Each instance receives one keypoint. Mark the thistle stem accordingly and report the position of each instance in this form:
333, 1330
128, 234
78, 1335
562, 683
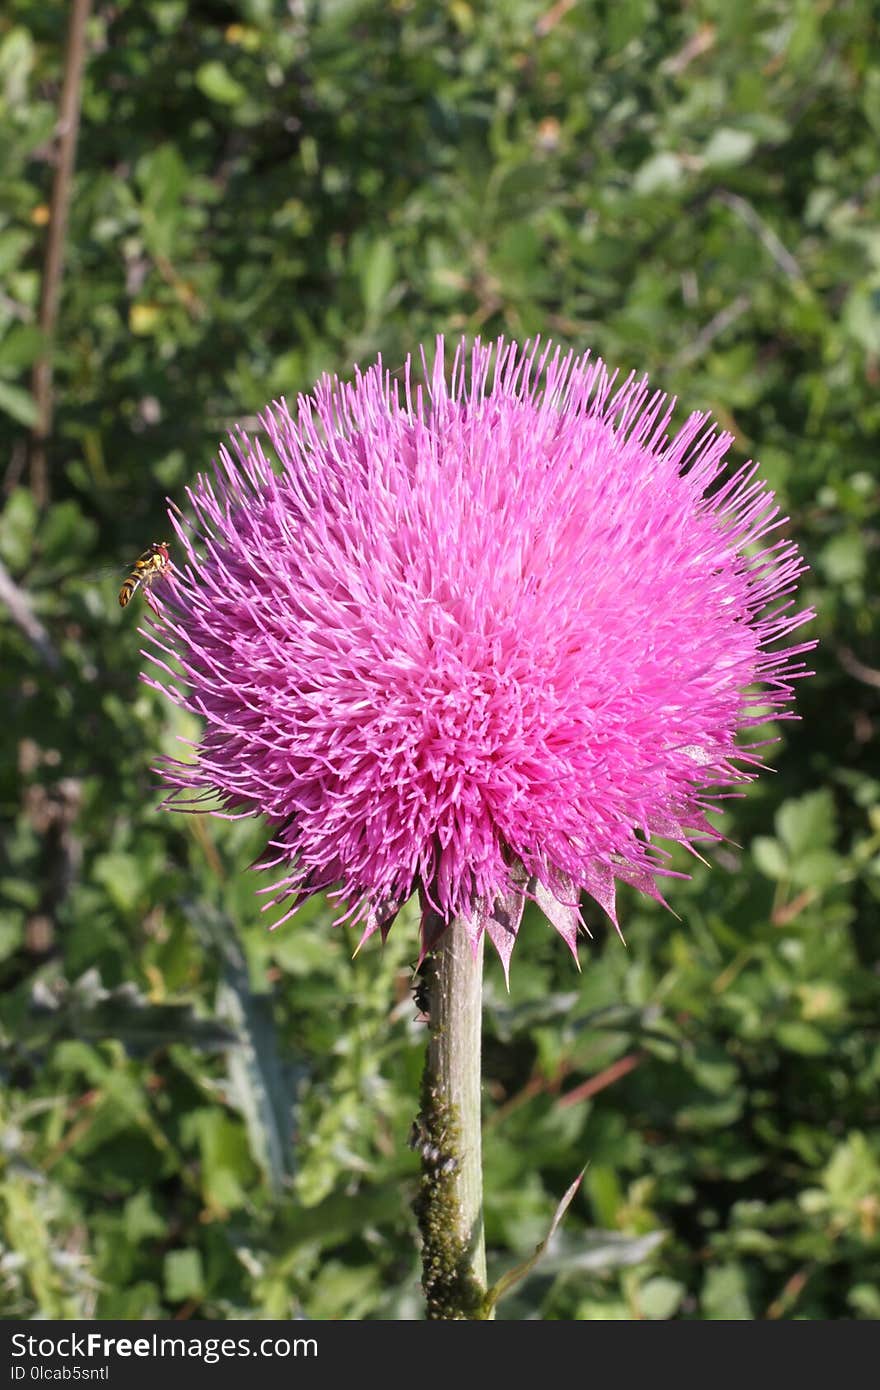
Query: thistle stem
447, 1133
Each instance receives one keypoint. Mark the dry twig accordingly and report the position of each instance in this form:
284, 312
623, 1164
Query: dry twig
67, 130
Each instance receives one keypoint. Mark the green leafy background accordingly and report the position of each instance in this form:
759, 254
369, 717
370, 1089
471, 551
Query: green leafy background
204, 1119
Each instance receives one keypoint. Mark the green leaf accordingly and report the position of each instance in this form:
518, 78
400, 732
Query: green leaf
20, 347
224, 1162
11, 935
216, 82
662, 173
376, 275
817, 869
16, 61
162, 177
518, 1273
509, 1019
728, 147
626, 20
852, 1175
807, 822
87, 1010
605, 1192
18, 524
660, 1297
14, 246
770, 857
18, 403
67, 533
141, 1220
865, 1298
122, 876
28, 1229
725, 1294
804, 1038
261, 1087
183, 1275
871, 98
861, 316
598, 1251
843, 558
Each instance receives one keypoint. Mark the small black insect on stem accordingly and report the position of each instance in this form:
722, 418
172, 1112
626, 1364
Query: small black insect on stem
420, 993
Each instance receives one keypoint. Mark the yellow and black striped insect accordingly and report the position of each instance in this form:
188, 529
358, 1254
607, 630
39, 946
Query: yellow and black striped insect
154, 562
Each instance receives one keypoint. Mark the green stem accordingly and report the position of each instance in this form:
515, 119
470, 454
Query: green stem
447, 1133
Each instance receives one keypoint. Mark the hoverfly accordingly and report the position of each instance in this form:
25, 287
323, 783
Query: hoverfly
153, 564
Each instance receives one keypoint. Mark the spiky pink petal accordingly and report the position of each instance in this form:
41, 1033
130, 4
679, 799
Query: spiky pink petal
502, 618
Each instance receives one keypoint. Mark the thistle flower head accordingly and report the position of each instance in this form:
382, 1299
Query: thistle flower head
483, 637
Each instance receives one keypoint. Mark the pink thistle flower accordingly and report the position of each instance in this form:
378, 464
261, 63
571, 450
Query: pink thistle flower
482, 639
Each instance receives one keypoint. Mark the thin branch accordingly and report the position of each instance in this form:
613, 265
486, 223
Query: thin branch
765, 234
549, 20
67, 131
857, 669
712, 330
24, 617
699, 43
622, 1067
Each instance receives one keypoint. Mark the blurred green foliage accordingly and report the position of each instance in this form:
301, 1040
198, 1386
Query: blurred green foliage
204, 1119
